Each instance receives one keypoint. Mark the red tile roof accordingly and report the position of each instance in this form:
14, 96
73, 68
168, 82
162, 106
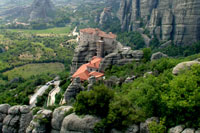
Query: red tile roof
95, 62
98, 32
84, 74
96, 74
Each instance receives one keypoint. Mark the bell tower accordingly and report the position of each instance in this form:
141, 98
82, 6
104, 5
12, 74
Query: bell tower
100, 48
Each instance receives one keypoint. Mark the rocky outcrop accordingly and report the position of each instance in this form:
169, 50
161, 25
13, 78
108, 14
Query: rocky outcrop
105, 17
42, 10
41, 122
3, 113
121, 58
189, 130
177, 129
176, 20
17, 120
91, 81
73, 123
74, 88
87, 48
130, 79
184, 65
157, 56
58, 116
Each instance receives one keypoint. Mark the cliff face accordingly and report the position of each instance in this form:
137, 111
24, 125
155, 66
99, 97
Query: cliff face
42, 9
177, 20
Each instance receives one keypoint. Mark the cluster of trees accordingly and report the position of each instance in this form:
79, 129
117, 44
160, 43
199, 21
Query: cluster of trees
131, 39
48, 48
176, 50
17, 91
174, 99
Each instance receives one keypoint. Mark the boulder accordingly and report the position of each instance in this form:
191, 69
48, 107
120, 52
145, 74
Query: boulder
115, 131
73, 123
197, 131
41, 122
123, 57
3, 113
92, 81
112, 81
130, 79
73, 89
58, 116
181, 66
147, 74
17, 120
133, 129
177, 129
157, 56
4, 108
164, 45
146, 40
189, 130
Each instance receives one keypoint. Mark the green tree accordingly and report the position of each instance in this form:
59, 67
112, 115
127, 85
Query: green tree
94, 102
147, 54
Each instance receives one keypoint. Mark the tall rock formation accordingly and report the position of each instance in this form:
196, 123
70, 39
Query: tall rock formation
42, 9
106, 16
177, 20
114, 53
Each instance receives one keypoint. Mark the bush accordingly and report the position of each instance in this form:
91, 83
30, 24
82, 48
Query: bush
147, 54
131, 39
182, 98
122, 113
155, 127
94, 102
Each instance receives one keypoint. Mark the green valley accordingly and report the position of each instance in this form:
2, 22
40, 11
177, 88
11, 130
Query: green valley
29, 70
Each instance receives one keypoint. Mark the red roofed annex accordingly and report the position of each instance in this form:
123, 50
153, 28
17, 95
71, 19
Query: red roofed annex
89, 69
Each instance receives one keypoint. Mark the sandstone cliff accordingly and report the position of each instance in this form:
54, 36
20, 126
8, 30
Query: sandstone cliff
39, 10
177, 20
42, 9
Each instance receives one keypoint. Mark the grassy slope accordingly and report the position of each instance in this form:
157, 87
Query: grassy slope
59, 30
27, 71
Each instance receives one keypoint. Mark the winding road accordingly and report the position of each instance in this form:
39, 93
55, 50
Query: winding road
40, 92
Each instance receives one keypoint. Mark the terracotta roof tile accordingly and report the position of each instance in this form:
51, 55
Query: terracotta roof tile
98, 32
84, 74
96, 74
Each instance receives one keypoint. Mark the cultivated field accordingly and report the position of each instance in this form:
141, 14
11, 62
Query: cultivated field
29, 70
58, 30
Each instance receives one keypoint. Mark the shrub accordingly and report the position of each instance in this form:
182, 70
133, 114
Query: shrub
147, 54
183, 98
155, 127
122, 113
94, 102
